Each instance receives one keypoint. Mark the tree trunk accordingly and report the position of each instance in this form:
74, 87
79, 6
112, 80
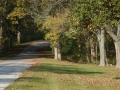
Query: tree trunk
106, 59
101, 40
102, 48
116, 38
117, 48
57, 52
79, 46
96, 47
87, 53
1, 30
18, 37
92, 50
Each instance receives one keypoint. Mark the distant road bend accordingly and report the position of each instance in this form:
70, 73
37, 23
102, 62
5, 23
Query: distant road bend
11, 69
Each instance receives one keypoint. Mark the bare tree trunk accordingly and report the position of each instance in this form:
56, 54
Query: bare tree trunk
18, 37
102, 49
101, 40
117, 47
57, 52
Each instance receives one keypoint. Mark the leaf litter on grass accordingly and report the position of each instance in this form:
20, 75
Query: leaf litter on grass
60, 75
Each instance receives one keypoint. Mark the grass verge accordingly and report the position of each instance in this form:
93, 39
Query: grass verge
49, 74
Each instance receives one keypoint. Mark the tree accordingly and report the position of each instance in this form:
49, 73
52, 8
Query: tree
109, 19
116, 38
6, 34
48, 11
56, 28
82, 17
104, 15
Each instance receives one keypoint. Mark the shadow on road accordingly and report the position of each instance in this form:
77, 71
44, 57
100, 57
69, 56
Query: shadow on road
31, 51
13, 67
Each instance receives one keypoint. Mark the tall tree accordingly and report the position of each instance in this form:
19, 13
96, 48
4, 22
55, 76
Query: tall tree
56, 26
5, 7
83, 14
103, 15
109, 20
40, 10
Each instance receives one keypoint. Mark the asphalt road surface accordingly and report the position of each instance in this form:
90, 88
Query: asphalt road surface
11, 69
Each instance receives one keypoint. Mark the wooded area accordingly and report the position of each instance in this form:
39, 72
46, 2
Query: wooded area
82, 31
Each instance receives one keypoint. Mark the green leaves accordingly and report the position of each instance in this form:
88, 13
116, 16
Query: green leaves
96, 12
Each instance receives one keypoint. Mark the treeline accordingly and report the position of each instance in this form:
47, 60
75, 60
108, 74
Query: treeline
15, 26
83, 31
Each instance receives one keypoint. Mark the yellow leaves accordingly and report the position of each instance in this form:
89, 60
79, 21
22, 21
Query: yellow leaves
56, 21
56, 26
52, 36
89, 26
20, 2
13, 19
77, 22
18, 12
110, 4
53, 23
14, 22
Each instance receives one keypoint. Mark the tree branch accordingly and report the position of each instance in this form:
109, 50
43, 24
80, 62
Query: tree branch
110, 32
35, 12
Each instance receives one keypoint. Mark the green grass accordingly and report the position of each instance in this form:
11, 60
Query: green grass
49, 74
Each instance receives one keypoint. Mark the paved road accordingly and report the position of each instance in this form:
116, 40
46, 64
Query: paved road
11, 69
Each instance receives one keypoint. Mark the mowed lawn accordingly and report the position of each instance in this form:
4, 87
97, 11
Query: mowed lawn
49, 74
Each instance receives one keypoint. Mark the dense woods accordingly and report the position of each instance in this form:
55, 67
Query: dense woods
82, 31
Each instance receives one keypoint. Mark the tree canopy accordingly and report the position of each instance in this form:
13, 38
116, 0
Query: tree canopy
72, 26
